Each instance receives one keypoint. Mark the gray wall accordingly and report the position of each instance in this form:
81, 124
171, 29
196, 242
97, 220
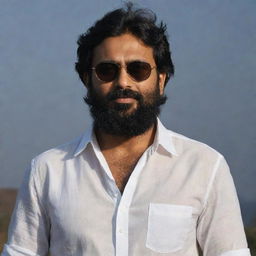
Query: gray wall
211, 98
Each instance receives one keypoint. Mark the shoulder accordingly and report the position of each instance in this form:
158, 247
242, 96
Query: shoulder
196, 154
56, 156
48, 167
184, 144
199, 160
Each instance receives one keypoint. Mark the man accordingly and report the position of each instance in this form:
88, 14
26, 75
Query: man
128, 186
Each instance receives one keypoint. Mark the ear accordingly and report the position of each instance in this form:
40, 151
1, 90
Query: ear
162, 77
85, 79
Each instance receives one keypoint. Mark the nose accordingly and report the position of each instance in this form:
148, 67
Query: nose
123, 79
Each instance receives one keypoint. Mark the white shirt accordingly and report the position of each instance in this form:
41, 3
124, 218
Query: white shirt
179, 197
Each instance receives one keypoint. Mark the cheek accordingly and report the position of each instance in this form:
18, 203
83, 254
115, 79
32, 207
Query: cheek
150, 86
95, 82
101, 89
152, 93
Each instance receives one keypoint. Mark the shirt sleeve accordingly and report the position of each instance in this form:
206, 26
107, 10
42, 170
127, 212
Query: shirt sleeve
220, 230
29, 227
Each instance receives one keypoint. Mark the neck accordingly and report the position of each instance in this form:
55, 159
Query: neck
140, 142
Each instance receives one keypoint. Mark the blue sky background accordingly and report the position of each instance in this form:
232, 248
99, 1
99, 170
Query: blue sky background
211, 97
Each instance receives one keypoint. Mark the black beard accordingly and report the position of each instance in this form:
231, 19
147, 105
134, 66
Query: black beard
111, 117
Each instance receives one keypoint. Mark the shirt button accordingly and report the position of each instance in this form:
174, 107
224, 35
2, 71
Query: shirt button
120, 231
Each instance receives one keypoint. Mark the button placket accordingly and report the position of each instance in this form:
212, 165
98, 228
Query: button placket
122, 230
122, 217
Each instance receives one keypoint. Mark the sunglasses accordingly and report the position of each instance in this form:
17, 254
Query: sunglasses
109, 71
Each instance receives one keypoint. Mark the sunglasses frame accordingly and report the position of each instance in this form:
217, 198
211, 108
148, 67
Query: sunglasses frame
119, 67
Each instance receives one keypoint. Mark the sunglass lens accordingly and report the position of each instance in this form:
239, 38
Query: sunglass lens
139, 70
106, 72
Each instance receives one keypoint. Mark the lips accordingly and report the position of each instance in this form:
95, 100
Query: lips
124, 100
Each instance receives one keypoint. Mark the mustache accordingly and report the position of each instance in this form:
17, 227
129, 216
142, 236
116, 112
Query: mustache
123, 93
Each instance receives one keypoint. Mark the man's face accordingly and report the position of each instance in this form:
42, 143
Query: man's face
125, 106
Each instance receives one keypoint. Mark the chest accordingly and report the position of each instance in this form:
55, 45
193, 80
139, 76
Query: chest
121, 166
173, 193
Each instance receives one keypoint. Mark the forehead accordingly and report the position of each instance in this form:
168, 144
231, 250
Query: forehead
122, 49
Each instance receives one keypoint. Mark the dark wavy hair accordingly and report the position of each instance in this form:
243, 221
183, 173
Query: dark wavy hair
139, 22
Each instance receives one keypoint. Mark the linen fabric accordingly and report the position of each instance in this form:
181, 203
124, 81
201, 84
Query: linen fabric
180, 197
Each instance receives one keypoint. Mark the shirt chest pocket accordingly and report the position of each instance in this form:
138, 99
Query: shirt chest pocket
168, 227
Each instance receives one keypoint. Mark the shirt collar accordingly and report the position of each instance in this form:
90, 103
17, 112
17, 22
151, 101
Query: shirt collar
163, 137
84, 141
